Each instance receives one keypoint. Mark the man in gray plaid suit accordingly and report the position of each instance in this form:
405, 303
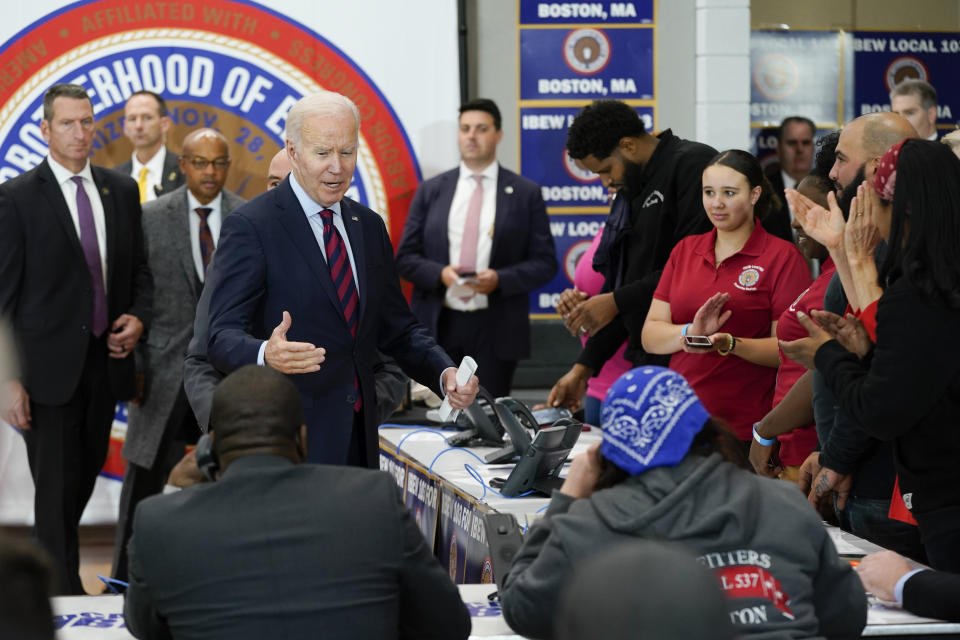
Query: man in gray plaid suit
181, 230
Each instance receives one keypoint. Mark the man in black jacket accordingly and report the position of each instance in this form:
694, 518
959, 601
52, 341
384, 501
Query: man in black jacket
279, 549
658, 202
75, 286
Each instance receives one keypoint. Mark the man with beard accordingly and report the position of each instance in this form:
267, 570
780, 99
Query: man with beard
658, 202
851, 464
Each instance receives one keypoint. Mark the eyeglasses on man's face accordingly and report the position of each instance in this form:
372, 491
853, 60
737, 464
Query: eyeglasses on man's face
200, 163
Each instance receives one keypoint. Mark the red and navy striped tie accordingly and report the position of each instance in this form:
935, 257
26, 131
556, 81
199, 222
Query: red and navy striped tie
342, 275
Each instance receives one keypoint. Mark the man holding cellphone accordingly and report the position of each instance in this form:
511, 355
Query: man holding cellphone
476, 242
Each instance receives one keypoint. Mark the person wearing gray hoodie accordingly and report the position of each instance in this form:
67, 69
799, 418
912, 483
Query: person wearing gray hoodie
664, 471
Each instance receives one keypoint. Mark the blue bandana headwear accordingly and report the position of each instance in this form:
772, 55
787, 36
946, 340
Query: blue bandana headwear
650, 417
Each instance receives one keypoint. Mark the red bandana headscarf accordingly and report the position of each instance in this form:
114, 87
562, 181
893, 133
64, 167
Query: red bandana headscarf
886, 175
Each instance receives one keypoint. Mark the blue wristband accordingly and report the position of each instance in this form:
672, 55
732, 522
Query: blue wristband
683, 332
764, 441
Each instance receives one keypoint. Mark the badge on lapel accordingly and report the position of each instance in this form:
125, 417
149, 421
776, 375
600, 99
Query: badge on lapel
105, 191
355, 218
508, 189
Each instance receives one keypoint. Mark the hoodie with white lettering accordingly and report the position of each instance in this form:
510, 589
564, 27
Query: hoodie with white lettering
765, 544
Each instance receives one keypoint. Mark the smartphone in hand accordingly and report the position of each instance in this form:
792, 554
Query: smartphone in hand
698, 342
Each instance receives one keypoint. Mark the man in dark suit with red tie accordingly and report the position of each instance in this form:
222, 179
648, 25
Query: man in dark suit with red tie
477, 241
75, 285
321, 265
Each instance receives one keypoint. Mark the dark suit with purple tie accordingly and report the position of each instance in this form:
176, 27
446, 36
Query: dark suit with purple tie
47, 294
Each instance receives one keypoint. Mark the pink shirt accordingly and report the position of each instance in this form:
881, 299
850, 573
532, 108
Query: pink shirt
590, 282
763, 278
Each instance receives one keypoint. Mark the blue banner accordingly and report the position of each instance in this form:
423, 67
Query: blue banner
453, 537
795, 73
586, 64
572, 235
422, 497
395, 467
544, 159
882, 59
539, 12
479, 568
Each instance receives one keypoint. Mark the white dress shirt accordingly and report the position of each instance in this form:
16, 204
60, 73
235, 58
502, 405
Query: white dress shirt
457, 221
64, 178
312, 210
898, 588
788, 183
154, 171
214, 219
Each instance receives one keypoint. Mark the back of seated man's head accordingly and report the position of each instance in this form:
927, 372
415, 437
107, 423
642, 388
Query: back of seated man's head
26, 581
257, 410
643, 590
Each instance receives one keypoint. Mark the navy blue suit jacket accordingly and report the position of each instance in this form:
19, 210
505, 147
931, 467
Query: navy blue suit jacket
269, 262
523, 254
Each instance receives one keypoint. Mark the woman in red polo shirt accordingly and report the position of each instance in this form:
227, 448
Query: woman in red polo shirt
730, 285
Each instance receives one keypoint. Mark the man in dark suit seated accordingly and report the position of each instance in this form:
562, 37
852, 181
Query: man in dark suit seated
26, 578
278, 549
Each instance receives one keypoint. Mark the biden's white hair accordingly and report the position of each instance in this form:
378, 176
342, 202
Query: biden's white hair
323, 103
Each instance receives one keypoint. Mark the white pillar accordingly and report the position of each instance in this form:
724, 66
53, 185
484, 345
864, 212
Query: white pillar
723, 73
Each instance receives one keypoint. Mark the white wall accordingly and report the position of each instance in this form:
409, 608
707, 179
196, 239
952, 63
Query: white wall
723, 73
